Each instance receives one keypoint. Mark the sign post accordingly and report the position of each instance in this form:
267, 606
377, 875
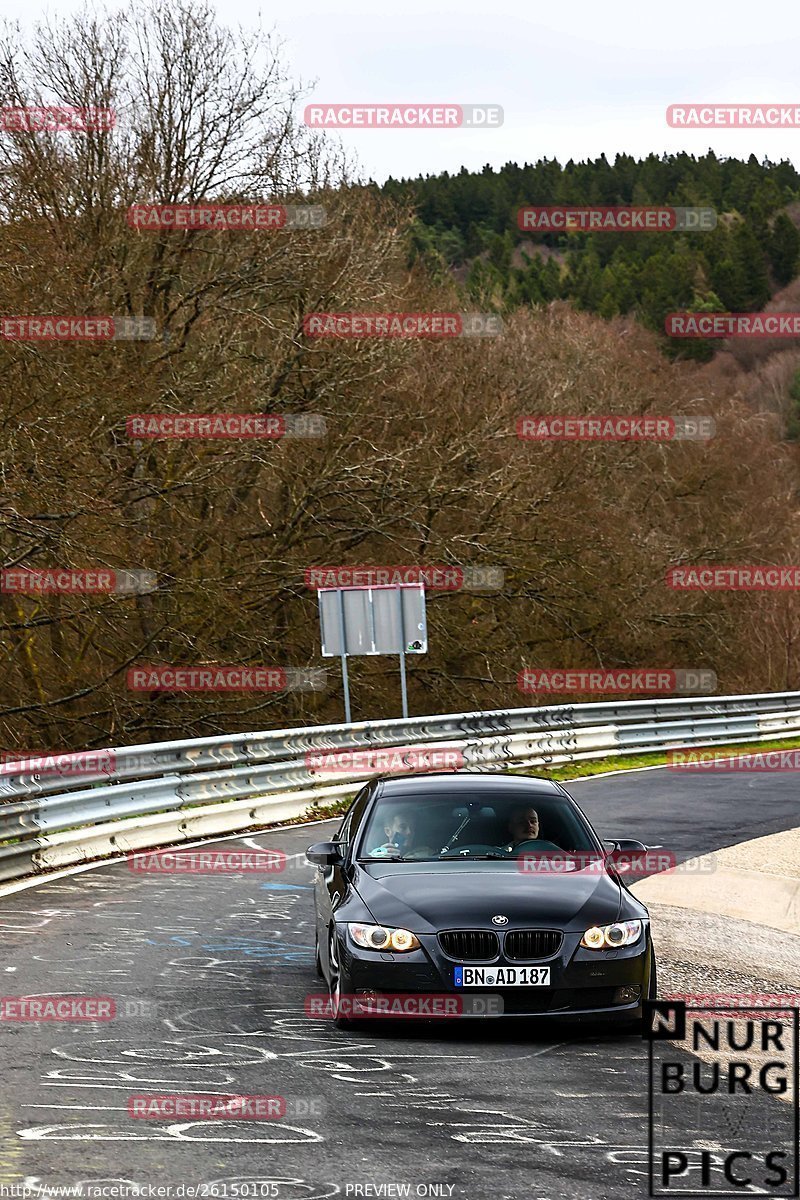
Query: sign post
402, 644
373, 620
345, 677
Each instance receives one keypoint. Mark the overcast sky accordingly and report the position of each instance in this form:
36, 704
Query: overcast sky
574, 78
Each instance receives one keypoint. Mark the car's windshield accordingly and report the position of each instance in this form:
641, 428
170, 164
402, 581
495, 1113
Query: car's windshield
479, 824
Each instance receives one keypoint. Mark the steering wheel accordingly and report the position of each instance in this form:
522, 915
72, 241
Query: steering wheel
415, 851
467, 849
535, 846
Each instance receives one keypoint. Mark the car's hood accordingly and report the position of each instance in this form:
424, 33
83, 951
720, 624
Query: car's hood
427, 897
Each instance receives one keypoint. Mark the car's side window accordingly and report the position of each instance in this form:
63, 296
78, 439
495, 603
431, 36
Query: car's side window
346, 828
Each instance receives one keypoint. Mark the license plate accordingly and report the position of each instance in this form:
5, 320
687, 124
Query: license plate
502, 976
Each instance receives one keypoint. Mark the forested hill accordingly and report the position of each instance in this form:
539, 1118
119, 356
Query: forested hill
468, 222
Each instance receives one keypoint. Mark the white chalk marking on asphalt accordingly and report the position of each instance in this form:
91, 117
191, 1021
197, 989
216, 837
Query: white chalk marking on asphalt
83, 1107
8, 889
171, 1133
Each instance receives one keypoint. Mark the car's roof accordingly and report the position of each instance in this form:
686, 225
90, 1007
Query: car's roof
467, 781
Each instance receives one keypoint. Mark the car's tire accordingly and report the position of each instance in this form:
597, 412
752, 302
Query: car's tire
317, 959
653, 991
335, 989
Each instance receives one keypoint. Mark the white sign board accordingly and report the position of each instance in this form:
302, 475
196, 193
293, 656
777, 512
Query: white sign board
373, 620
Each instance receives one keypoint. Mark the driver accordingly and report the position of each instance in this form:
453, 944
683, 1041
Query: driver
523, 825
400, 830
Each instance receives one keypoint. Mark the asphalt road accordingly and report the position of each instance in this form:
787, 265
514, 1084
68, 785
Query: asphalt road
209, 974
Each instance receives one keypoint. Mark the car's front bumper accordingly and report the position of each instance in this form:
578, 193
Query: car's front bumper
582, 982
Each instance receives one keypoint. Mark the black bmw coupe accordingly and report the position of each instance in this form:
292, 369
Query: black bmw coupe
477, 894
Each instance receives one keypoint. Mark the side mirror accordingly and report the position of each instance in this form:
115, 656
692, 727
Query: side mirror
627, 844
325, 854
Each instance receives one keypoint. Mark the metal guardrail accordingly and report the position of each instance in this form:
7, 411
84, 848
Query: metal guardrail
167, 792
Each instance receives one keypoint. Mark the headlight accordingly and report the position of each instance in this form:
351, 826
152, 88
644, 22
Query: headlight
610, 937
378, 937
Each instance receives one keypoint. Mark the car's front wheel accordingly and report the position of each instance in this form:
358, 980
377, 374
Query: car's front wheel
652, 993
335, 986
